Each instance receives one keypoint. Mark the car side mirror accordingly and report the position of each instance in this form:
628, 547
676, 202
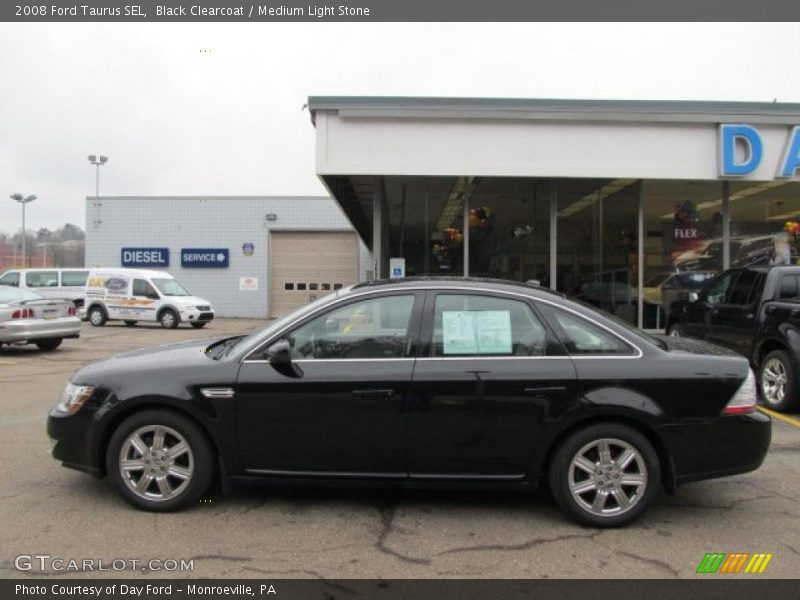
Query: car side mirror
694, 296
280, 353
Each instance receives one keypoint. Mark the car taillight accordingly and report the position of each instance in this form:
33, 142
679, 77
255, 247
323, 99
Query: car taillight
71, 310
25, 313
744, 400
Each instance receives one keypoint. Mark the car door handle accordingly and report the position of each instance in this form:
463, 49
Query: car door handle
372, 396
542, 395
769, 310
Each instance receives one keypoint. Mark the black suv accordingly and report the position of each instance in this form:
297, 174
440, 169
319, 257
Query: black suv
756, 312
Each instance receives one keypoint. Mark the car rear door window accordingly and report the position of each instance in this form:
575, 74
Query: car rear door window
473, 325
73, 278
718, 288
788, 288
581, 337
369, 329
40, 279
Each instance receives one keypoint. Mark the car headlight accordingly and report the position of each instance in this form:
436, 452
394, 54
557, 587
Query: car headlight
73, 398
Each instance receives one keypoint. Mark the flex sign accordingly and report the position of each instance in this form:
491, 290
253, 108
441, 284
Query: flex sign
205, 258
741, 150
145, 257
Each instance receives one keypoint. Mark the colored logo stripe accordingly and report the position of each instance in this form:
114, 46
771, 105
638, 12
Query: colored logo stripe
720, 562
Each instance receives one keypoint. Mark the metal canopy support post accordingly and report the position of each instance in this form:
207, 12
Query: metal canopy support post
726, 225
553, 233
640, 256
377, 229
465, 229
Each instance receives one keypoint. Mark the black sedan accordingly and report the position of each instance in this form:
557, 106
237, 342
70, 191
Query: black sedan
420, 383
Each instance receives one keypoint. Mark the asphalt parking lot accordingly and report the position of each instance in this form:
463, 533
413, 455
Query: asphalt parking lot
261, 532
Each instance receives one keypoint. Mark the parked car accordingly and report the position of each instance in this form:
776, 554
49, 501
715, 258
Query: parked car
756, 312
418, 383
28, 318
65, 284
133, 295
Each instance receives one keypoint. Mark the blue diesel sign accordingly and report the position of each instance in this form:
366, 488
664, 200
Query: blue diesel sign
205, 258
145, 257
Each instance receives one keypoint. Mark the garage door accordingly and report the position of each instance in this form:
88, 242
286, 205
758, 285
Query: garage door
307, 265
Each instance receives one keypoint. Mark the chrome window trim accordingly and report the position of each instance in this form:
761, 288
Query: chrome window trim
434, 288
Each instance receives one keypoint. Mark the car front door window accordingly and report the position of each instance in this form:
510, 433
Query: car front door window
374, 328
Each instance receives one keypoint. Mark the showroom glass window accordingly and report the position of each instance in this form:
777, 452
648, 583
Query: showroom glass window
473, 325
374, 328
682, 243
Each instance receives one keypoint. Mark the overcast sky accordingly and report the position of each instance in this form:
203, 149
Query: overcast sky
177, 121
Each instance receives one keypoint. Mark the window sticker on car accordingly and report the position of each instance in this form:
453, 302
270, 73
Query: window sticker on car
476, 331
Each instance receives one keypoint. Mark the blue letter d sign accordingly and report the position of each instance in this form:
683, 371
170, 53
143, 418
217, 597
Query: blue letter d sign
732, 137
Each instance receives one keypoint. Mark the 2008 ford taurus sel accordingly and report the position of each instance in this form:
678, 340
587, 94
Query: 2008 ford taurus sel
421, 382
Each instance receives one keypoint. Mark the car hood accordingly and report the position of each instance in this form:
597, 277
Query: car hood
694, 346
183, 356
187, 300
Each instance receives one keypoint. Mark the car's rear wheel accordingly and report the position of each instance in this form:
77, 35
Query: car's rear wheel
50, 344
131, 323
97, 316
776, 380
160, 461
605, 475
199, 324
169, 319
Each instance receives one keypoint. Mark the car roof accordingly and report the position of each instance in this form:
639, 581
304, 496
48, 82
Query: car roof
455, 282
133, 272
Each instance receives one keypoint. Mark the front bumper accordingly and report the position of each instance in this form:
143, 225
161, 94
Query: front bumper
72, 440
195, 316
726, 445
30, 330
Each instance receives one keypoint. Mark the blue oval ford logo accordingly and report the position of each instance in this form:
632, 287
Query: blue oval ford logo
115, 284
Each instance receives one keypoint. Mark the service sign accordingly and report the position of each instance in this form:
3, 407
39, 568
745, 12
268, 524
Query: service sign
145, 257
205, 258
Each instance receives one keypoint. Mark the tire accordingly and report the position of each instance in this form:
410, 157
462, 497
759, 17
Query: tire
607, 480
776, 381
169, 319
97, 316
199, 325
674, 331
167, 484
131, 323
50, 344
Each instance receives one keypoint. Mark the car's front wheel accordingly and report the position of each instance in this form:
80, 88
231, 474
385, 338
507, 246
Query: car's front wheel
776, 379
674, 331
169, 319
605, 475
160, 461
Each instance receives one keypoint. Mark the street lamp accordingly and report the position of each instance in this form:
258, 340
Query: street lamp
23, 200
98, 163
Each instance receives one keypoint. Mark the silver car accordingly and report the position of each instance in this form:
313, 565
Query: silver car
27, 318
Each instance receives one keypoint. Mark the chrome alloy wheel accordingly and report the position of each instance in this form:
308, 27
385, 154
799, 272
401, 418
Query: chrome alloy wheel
96, 317
156, 463
773, 381
607, 477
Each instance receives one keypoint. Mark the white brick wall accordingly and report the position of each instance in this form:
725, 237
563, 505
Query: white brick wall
209, 222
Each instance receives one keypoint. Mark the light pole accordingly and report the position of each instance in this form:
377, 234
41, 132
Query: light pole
98, 162
23, 200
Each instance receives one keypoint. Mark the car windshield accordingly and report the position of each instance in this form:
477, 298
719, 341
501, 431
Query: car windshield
11, 294
170, 287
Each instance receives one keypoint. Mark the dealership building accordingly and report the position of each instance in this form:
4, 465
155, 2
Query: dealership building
252, 256
628, 205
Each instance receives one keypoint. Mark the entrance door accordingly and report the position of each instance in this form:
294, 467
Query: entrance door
308, 265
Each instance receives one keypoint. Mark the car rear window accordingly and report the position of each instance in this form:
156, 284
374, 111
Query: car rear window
788, 288
74, 278
37, 279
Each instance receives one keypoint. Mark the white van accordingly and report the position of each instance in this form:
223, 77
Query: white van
134, 295
63, 284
